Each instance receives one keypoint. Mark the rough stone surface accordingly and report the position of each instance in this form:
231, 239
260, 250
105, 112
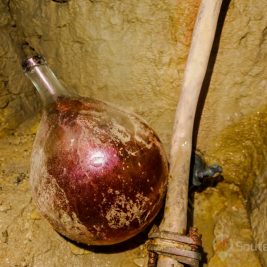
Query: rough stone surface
258, 215
132, 53
220, 213
241, 149
238, 83
17, 98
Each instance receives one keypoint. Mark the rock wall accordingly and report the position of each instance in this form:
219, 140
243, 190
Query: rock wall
132, 53
18, 100
124, 52
238, 82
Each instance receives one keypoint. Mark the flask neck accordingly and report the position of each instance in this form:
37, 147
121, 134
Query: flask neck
45, 81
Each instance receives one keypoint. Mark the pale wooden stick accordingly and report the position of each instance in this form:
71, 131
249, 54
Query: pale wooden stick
175, 213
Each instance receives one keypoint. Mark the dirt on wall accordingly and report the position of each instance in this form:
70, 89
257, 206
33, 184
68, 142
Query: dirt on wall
132, 53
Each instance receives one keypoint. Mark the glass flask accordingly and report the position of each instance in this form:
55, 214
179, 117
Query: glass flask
98, 173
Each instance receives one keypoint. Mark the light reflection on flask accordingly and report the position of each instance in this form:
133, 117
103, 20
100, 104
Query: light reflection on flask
97, 159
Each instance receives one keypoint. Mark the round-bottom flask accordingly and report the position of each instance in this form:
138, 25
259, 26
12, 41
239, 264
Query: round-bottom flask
98, 173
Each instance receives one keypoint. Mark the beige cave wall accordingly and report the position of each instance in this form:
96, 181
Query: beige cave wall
17, 98
133, 53
130, 53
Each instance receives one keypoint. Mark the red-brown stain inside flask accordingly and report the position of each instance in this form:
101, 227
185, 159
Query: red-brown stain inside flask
113, 177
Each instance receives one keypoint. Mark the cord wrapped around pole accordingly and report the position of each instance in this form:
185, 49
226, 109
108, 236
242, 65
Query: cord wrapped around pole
175, 213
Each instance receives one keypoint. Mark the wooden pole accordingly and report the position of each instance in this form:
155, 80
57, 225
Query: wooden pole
175, 213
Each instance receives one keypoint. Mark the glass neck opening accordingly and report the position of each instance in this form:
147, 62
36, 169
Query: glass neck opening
46, 83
